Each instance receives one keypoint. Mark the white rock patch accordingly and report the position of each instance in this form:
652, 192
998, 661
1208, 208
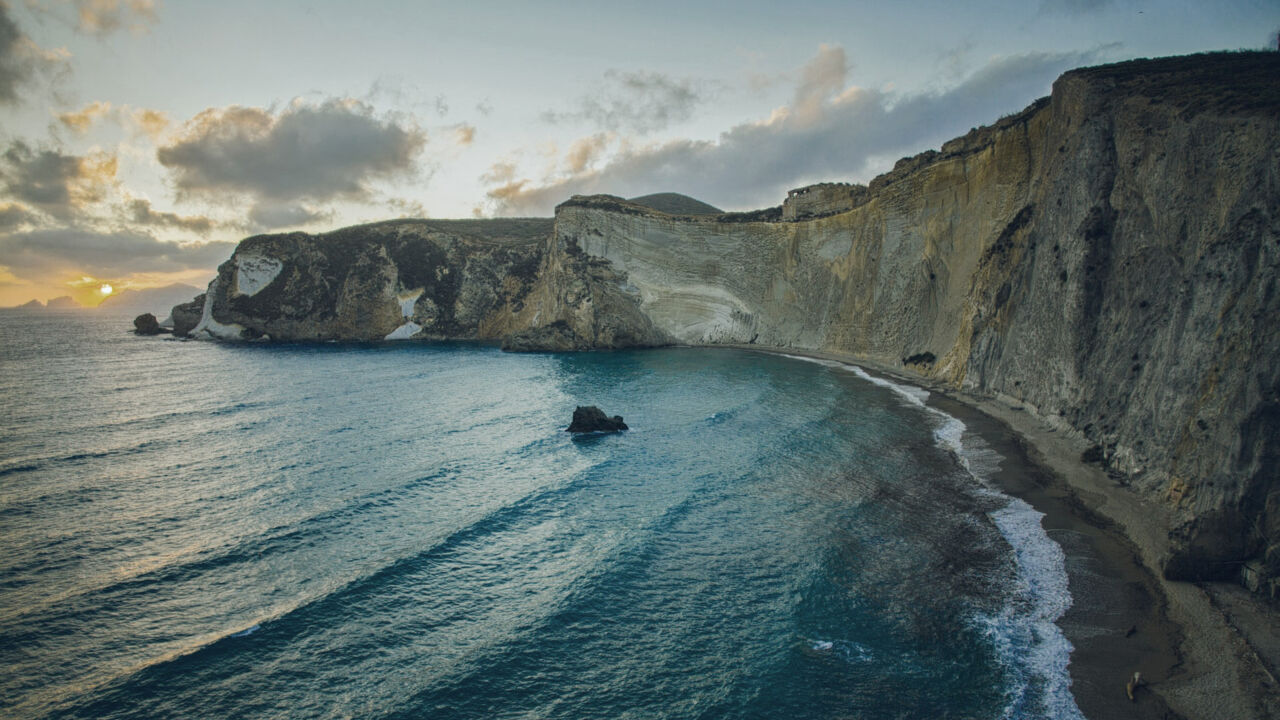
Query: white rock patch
404, 332
255, 272
407, 300
696, 313
210, 329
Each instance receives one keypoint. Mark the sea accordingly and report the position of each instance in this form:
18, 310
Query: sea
405, 530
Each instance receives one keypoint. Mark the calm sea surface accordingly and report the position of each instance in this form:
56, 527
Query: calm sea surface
197, 530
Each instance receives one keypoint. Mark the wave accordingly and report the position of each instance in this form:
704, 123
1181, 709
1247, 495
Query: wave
42, 462
128, 430
1024, 633
246, 632
20, 467
285, 624
848, 650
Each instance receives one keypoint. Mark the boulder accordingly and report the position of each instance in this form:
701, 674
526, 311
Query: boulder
146, 324
592, 419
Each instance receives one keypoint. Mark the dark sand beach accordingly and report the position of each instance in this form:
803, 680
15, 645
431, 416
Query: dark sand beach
1125, 618
1117, 621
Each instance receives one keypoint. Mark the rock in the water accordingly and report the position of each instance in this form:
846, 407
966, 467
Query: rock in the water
592, 419
187, 315
146, 324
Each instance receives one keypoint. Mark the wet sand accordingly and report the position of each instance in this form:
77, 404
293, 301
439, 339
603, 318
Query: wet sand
1116, 622
1215, 673
1124, 617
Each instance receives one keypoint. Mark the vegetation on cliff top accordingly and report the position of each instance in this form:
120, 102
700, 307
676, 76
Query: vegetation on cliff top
1236, 83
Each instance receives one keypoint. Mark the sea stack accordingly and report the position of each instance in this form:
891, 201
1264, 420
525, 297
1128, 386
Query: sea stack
146, 324
591, 419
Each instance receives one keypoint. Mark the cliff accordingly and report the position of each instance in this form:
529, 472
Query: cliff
1107, 258
402, 279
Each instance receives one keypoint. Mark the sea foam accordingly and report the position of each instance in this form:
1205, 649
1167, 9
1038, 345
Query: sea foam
1031, 646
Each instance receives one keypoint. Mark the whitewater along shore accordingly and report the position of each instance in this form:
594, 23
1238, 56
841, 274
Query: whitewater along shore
1198, 660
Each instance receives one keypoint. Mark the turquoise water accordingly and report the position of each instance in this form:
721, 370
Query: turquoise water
405, 531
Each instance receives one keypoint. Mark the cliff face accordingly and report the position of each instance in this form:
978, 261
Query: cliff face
1108, 257
393, 280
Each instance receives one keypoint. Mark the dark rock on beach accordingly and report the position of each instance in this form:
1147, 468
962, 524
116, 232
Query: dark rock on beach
592, 419
146, 324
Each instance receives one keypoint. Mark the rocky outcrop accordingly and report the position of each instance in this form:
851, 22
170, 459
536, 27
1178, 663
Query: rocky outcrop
146, 324
186, 316
591, 419
397, 280
1107, 258
582, 302
556, 337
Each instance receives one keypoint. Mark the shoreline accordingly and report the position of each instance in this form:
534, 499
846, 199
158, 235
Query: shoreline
1124, 616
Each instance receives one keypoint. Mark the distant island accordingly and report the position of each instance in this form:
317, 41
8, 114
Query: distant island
127, 301
65, 302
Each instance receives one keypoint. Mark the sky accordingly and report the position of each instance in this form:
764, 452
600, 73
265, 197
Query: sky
141, 139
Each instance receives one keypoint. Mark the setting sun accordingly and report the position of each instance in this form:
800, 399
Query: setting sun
105, 289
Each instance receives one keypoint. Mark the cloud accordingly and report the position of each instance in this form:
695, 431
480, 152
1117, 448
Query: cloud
13, 215
464, 134
140, 121
151, 123
307, 151
57, 184
642, 102
584, 151
144, 121
8, 279
21, 60
81, 120
270, 215
139, 210
831, 132
50, 253
13, 68
820, 79
99, 17
499, 172
406, 208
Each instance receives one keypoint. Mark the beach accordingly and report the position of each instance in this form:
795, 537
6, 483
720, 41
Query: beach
1192, 653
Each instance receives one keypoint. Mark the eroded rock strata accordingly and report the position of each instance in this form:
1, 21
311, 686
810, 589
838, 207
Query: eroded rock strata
1107, 258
